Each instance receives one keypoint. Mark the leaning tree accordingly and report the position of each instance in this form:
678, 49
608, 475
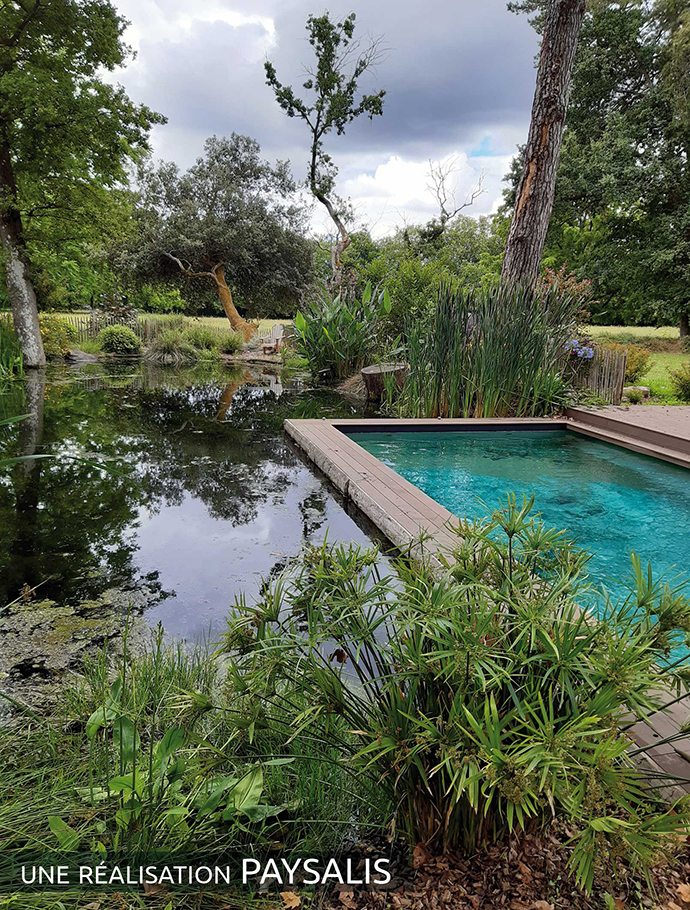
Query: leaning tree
334, 102
230, 220
562, 21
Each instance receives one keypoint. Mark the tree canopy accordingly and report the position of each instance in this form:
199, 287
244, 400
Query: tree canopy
66, 135
232, 219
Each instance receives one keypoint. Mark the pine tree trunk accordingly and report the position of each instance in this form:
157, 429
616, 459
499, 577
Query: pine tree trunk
684, 325
225, 297
20, 289
534, 202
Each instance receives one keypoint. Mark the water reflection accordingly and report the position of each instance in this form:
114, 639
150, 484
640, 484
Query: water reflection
211, 497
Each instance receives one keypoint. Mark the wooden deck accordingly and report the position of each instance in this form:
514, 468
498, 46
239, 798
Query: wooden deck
418, 525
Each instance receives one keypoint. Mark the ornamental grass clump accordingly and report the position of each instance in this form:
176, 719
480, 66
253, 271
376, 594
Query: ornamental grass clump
489, 352
484, 700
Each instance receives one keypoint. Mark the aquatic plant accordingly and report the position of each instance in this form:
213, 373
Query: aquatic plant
230, 342
337, 335
485, 700
172, 346
488, 352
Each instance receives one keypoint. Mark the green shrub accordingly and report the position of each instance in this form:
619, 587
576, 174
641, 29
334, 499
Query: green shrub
680, 380
635, 396
56, 334
488, 352
483, 702
202, 337
337, 336
119, 339
639, 360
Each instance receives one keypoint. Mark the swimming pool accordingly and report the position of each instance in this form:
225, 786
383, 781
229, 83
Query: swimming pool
612, 500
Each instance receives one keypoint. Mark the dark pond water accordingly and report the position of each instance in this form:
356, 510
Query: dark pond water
209, 496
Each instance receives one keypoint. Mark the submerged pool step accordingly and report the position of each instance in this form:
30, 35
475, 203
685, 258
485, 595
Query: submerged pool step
621, 437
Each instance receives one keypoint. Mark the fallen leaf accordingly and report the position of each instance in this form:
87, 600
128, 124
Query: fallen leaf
684, 893
290, 899
94, 905
620, 905
347, 899
153, 888
542, 905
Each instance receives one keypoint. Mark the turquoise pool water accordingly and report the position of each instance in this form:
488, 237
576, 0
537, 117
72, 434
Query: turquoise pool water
612, 500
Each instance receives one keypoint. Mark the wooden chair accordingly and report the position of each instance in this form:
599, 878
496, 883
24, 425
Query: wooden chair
271, 344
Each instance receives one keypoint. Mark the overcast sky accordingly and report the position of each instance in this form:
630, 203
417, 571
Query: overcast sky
459, 76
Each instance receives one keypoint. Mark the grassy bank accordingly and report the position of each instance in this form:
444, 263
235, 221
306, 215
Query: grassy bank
216, 322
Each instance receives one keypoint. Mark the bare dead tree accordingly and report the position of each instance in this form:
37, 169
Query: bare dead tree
443, 185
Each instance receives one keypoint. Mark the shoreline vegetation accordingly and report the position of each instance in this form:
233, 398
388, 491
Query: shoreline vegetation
355, 711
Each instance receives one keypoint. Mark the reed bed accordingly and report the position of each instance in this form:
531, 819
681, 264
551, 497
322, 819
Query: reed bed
496, 352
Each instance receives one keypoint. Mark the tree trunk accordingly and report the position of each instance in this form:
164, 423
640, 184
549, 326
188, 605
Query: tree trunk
684, 325
225, 297
20, 289
534, 202
229, 393
342, 241
24, 562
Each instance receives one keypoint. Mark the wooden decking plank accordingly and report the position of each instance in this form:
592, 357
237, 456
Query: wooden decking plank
366, 467
365, 461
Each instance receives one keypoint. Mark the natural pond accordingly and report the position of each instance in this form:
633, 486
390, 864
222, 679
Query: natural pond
204, 496
612, 500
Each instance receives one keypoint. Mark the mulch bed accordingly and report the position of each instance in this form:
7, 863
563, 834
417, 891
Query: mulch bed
527, 874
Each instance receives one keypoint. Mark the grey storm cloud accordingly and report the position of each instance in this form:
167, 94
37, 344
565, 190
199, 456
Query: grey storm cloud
454, 71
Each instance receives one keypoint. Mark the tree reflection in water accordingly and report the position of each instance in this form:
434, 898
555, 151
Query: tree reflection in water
208, 498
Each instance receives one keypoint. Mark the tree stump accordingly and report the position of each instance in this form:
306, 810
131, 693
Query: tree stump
375, 378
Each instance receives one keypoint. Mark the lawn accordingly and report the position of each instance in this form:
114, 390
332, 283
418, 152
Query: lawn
639, 331
218, 322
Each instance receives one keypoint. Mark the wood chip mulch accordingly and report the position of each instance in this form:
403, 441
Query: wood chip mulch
530, 874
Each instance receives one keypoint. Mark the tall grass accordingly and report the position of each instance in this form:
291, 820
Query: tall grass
493, 352
11, 361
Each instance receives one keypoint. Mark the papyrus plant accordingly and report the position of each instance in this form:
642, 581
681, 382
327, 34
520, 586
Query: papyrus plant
485, 701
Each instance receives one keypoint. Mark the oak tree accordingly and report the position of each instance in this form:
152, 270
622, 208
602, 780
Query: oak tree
64, 132
231, 220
